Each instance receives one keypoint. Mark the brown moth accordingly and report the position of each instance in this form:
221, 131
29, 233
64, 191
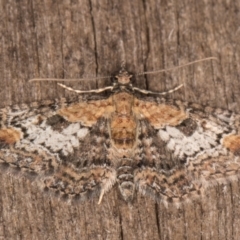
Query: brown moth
166, 149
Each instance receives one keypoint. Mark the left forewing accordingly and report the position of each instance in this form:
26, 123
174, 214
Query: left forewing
87, 113
40, 141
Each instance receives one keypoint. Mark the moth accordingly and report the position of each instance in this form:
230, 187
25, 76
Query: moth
133, 139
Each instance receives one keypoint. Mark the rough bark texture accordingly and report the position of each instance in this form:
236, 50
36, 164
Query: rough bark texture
82, 38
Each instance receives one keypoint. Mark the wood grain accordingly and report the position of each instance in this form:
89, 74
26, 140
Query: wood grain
72, 39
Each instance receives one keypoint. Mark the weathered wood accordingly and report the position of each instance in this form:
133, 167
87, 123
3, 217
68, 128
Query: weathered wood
72, 39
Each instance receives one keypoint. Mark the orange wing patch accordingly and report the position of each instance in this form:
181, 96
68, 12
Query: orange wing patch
158, 115
9, 135
87, 113
232, 142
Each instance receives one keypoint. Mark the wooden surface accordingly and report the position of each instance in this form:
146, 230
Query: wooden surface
72, 39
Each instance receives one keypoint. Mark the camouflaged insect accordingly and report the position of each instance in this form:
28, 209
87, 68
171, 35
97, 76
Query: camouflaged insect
168, 150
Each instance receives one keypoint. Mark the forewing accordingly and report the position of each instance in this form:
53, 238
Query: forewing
87, 113
158, 114
68, 157
178, 162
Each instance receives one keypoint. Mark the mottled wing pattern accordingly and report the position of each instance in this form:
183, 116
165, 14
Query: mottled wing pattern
158, 114
87, 113
180, 148
182, 156
68, 157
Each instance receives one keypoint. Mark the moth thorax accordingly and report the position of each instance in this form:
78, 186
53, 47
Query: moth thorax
123, 77
125, 182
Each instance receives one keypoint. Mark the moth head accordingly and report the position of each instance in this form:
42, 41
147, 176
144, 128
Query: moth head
123, 77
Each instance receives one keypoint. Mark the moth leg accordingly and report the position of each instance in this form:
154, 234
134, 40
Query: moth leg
101, 197
158, 93
88, 91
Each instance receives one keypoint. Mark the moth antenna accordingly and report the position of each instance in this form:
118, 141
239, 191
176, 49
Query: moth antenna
87, 91
173, 68
158, 93
66, 80
123, 65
